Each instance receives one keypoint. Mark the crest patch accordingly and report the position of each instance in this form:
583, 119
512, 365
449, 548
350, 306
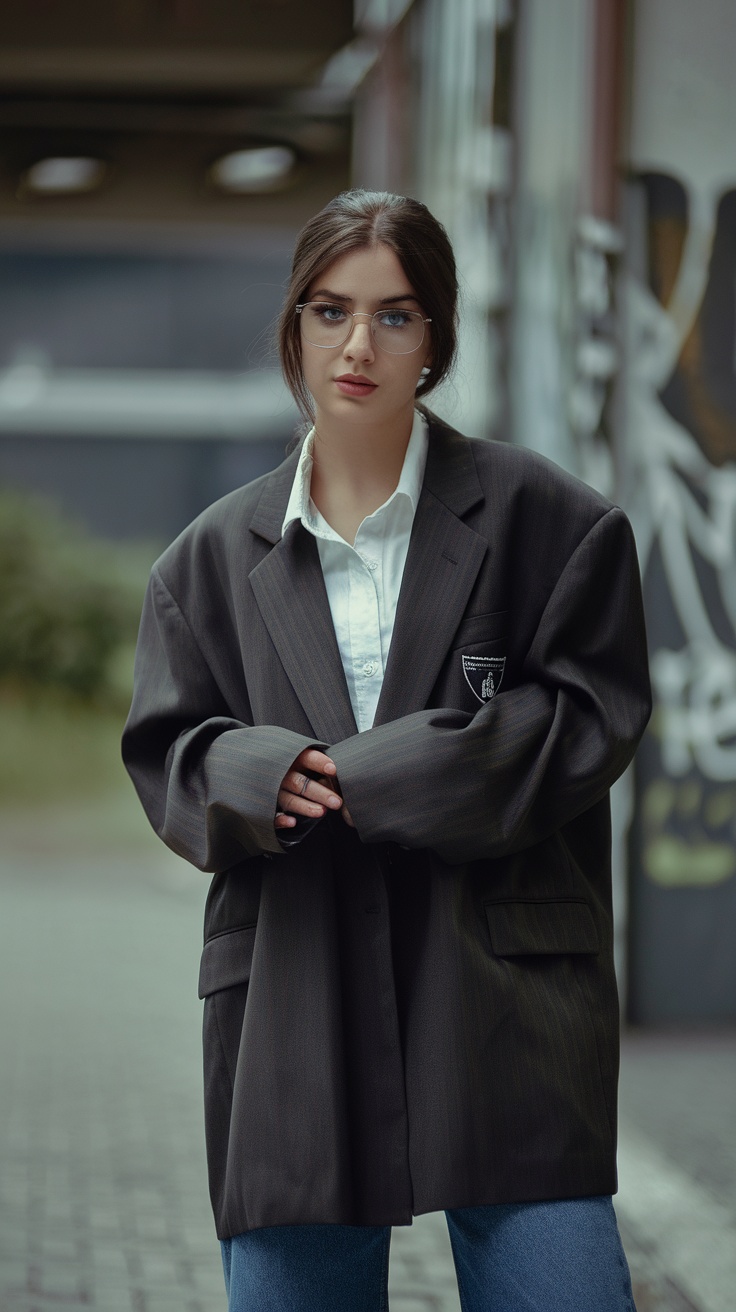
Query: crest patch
484, 675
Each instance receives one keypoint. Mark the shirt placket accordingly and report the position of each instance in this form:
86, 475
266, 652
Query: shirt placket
365, 627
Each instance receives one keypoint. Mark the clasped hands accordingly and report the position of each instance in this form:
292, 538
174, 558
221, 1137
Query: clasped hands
313, 798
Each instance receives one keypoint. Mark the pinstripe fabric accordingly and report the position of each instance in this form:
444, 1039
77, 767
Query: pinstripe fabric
420, 1013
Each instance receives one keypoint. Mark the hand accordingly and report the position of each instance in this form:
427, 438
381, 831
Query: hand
301, 795
332, 783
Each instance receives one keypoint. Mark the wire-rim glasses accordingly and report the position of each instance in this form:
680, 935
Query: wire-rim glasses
397, 331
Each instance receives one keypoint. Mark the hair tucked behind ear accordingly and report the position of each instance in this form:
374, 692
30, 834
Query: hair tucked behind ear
358, 219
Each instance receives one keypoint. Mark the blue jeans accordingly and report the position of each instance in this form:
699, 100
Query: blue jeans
561, 1256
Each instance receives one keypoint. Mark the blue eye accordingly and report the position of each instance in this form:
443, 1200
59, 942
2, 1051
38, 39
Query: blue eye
329, 313
395, 318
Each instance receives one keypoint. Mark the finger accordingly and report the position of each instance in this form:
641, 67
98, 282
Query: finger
325, 793
347, 816
300, 785
295, 805
313, 759
284, 821
296, 782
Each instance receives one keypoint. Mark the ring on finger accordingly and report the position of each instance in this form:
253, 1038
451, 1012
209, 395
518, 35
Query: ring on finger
304, 786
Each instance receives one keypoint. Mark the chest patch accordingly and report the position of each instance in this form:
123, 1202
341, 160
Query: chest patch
483, 675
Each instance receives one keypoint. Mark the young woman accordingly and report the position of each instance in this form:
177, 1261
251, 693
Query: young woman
382, 693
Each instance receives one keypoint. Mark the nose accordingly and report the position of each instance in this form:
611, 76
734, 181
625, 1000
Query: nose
359, 345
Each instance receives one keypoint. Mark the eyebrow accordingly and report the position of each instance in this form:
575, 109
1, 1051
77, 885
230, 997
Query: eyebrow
338, 296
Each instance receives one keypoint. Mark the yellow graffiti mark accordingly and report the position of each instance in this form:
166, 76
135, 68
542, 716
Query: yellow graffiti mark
721, 808
674, 864
657, 803
689, 799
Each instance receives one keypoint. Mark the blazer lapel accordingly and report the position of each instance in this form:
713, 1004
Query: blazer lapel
442, 564
290, 592
441, 567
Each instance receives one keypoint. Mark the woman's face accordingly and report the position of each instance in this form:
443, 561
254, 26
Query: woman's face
364, 281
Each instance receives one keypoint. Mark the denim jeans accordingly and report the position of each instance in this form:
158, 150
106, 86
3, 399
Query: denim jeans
561, 1256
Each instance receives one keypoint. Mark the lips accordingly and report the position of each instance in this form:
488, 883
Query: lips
355, 385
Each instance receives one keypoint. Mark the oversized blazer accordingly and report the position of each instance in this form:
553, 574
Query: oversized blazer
418, 1013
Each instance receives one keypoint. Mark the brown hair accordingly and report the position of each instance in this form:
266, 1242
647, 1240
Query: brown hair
352, 221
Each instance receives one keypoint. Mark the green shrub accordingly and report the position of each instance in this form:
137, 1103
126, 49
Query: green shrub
68, 602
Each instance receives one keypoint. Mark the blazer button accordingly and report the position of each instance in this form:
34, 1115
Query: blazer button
372, 908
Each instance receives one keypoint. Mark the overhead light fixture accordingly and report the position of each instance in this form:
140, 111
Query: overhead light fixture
64, 175
259, 168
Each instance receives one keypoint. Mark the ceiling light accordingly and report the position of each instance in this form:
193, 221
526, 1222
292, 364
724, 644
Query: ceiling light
60, 174
261, 168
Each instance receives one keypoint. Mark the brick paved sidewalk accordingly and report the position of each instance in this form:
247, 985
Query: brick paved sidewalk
103, 1199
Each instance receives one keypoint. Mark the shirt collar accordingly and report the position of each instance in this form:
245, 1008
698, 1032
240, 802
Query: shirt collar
301, 506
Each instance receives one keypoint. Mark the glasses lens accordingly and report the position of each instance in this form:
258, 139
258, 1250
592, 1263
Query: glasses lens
325, 325
398, 331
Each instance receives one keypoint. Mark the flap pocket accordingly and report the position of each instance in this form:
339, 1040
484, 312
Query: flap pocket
481, 628
521, 927
226, 960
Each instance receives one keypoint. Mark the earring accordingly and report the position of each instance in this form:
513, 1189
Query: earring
425, 371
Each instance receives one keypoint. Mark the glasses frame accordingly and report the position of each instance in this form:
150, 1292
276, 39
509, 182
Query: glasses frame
362, 314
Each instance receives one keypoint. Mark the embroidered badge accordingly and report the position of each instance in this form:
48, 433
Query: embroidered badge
484, 675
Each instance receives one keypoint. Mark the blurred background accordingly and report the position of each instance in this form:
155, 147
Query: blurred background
157, 158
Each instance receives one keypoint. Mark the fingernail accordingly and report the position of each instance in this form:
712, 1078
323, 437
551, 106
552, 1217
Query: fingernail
334, 802
330, 767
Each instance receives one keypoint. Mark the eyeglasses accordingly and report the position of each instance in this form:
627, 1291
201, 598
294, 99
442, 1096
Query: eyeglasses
397, 331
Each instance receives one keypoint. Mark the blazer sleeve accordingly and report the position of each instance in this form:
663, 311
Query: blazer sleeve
534, 757
207, 782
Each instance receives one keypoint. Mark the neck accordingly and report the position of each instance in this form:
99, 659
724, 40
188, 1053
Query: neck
360, 457
356, 468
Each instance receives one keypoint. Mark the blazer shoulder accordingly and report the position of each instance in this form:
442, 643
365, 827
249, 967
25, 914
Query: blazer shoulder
522, 469
515, 494
508, 470
536, 499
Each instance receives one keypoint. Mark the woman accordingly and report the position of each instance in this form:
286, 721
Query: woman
382, 694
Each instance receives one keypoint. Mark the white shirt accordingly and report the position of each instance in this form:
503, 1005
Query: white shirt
363, 580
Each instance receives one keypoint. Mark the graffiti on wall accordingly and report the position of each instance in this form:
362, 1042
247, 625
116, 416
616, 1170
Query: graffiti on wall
680, 471
596, 251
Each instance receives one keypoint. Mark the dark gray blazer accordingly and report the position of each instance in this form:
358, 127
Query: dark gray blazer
419, 1013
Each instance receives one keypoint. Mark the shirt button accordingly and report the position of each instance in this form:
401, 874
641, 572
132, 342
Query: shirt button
370, 668
372, 564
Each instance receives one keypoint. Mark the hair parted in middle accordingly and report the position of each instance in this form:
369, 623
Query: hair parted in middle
353, 221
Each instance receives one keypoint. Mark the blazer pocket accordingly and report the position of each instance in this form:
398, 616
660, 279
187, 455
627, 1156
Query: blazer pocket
226, 960
520, 928
481, 628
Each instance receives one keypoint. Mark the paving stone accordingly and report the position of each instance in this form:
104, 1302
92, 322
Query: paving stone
421, 1270
110, 1266
401, 1302
15, 1274
13, 1238
106, 1298
53, 1249
153, 1228
160, 1271
210, 1286
161, 1302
